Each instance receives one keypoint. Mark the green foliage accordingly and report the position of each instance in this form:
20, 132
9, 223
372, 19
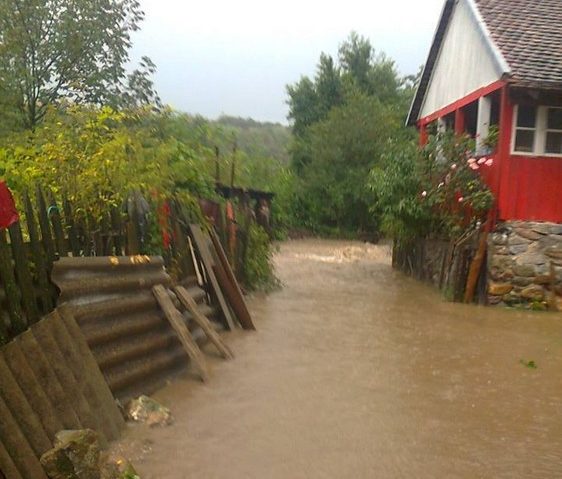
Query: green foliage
88, 154
435, 191
67, 49
453, 186
396, 185
344, 147
258, 267
342, 122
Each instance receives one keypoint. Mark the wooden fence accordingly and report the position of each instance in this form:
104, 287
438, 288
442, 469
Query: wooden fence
50, 228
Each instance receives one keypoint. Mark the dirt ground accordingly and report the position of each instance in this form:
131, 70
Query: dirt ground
359, 372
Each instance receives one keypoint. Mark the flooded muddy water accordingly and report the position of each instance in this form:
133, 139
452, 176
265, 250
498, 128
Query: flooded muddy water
357, 371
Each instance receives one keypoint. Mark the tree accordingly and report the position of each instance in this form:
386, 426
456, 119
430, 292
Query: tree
73, 49
343, 149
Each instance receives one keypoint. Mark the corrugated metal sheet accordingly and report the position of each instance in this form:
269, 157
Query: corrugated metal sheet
49, 381
134, 345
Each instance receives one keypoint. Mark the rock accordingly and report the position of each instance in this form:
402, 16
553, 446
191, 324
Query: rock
522, 281
501, 250
528, 233
518, 249
501, 262
542, 228
494, 300
146, 409
533, 293
499, 289
76, 455
558, 303
499, 239
554, 252
526, 270
515, 240
512, 299
531, 257
543, 279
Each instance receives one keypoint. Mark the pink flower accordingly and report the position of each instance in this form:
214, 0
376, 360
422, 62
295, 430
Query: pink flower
474, 166
481, 161
461, 199
454, 166
424, 194
471, 161
489, 162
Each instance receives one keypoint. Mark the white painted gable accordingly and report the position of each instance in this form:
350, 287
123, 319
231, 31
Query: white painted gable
465, 62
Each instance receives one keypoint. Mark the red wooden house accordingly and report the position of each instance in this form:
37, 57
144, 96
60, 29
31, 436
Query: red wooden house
498, 64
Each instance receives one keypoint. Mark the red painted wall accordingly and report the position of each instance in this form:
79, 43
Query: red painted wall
534, 189
526, 188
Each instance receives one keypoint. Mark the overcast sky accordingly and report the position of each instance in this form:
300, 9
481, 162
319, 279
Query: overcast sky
235, 57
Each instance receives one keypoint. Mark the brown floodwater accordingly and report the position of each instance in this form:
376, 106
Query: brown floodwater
357, 371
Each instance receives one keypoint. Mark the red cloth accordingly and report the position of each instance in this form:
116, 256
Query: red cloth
8, 212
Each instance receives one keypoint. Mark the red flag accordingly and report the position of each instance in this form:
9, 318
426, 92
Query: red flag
8, 212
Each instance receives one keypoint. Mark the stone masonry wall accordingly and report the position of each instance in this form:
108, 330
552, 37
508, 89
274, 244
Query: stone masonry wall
525, 265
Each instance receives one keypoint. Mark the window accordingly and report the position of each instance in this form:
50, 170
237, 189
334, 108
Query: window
538, 130
554, 131
525, 129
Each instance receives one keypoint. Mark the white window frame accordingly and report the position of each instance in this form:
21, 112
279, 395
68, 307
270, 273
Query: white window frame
539, 146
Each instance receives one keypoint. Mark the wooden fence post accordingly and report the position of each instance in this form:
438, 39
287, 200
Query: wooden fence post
46, 291
13, 294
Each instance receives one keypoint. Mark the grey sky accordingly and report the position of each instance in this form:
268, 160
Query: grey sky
235, 57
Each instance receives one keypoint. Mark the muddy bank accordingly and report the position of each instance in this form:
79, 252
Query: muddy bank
358, 371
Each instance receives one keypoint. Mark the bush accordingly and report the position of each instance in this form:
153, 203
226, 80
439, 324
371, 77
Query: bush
258, 268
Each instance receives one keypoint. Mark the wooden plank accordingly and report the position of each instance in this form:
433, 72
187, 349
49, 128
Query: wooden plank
178, 325
44, 226
206, 258
56, 221
71, 227
13, 295
241, 308
46, 291
189, 303
117, 231
23, 274
95, 376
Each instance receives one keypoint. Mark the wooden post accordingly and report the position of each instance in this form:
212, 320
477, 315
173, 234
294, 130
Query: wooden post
56, 221
13, 294
71, 228
23, 274
46, 291
476, 265
46, 236
217, 165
